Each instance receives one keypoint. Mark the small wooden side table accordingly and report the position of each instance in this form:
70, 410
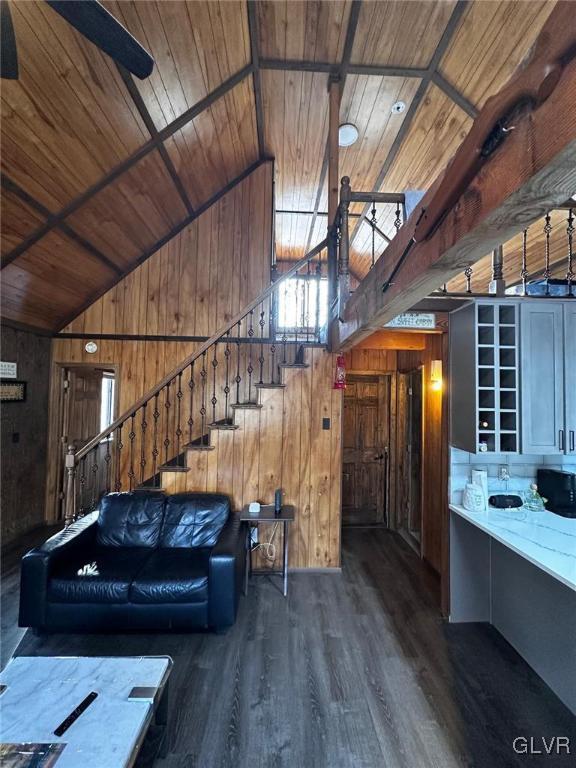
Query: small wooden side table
268, 515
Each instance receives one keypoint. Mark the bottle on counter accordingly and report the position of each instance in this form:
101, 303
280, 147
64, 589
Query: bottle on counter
533, 500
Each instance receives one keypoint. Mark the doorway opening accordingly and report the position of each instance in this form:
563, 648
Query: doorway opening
366, 450
87, 405
409, 427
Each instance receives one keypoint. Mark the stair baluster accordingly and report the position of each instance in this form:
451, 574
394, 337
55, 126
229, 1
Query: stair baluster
191, 387
143, 428
167, 407
227, 384
250, 368
214, 399
261, 323
131, 438
238, 378
179, 396
155, 451
203, 375
119, 446
82, 481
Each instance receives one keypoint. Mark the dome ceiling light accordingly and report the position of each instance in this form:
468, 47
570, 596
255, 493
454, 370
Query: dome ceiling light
398, 107
347, 135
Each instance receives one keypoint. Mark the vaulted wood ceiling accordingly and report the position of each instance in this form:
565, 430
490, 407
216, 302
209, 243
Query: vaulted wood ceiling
99, 169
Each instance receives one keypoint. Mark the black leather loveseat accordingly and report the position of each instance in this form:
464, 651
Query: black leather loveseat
143, 561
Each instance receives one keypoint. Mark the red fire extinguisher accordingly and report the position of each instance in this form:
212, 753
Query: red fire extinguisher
340, 375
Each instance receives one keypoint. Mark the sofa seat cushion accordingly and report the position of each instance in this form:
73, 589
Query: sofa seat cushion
100, 575
173, 576
194, 519
130, 519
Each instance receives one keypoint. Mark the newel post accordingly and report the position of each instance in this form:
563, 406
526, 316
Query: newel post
70, 486
344, 260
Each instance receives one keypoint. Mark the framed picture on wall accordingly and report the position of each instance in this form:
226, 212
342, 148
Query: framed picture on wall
12, 391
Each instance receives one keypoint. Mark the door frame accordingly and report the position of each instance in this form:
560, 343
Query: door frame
55, 458
417, 371
389, 479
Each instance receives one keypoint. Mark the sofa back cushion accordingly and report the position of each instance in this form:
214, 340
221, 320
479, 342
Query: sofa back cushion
194, 519
131, 519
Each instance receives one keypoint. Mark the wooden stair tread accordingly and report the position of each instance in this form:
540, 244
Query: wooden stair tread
222, 425
205, 447
246, 405
150, 488
173, 468
294, 365
270, 386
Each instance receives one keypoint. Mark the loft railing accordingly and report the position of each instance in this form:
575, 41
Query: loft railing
340, 241
540, 277
226, 370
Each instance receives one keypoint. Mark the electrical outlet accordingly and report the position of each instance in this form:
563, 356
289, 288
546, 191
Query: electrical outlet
503, 472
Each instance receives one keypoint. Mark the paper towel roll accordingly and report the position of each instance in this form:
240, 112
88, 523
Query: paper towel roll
480, 477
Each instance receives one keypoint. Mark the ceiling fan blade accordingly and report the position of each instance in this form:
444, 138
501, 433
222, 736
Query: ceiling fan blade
93, 21
8, 54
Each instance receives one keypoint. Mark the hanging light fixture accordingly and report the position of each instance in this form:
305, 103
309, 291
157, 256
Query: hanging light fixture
340, 374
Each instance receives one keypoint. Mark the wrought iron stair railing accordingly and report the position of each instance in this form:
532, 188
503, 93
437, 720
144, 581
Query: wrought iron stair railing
225, 371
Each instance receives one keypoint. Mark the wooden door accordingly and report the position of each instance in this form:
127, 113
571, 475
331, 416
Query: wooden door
82, 405
366, 450
409, 468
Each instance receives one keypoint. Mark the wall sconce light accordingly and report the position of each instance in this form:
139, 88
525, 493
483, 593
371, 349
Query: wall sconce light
436, 375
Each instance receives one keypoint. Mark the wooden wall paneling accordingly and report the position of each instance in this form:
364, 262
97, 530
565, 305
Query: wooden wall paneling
128, 216
296, 30
305, 556
217, 145
392, 339
64, 80
291, 455
271, 438
337, 407
489, 44
238, 473
18, 220
187, 281
251, 437
320, 453
399, 33
196, 46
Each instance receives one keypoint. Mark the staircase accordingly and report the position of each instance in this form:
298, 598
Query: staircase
192, 469
170, 438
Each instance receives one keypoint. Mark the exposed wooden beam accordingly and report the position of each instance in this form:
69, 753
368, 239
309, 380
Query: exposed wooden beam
127, 164
173, 232
11, 186
531, 172
338, 73
149, 123
457, 97
432, 68
255, 50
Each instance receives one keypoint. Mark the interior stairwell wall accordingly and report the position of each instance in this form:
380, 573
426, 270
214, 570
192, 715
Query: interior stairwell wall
192, 286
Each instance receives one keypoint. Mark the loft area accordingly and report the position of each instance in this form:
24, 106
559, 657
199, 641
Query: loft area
288, 383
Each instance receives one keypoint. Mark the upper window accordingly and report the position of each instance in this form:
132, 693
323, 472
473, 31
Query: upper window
303, 303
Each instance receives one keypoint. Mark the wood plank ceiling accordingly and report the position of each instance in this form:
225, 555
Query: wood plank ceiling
99, 170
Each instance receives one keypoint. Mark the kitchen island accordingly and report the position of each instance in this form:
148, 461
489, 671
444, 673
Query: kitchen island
516, 569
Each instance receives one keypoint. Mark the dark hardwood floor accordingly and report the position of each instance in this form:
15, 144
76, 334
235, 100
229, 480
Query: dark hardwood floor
351, 671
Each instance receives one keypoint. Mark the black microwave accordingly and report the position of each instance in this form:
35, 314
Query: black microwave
559, 490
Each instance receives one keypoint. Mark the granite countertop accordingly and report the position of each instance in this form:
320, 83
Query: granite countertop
545, 539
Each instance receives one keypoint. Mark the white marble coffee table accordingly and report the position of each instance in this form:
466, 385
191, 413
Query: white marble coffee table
42, 691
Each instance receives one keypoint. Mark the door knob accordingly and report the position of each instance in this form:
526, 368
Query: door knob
379, 458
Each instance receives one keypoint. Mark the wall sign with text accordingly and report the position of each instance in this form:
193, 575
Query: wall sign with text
7, 370
420, 320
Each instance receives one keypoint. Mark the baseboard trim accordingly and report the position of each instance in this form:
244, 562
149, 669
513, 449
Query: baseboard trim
315, 570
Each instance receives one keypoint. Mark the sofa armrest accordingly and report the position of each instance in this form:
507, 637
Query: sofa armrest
226, 574
39, 562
